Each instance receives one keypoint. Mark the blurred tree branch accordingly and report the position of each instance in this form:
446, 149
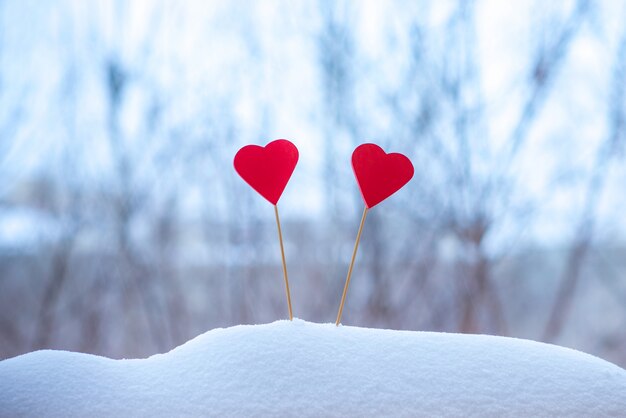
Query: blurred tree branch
605, 155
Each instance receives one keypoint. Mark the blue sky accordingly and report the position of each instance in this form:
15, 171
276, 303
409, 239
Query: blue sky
258, 64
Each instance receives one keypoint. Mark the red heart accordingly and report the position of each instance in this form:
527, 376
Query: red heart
378, 174
267, 169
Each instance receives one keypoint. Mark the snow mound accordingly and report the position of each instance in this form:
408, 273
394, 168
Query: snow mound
305, 369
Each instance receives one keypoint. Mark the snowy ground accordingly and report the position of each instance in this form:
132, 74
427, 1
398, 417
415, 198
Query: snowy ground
307, 369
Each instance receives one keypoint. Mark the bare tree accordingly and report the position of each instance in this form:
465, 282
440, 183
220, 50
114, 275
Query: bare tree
467, 201
583, 239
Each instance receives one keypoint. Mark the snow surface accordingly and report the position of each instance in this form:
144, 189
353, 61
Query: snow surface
305, 369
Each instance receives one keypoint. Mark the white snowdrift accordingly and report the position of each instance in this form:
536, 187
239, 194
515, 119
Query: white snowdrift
304, 369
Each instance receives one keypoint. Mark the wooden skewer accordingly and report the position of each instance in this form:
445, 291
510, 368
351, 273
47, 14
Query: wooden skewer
356, 247
282, 253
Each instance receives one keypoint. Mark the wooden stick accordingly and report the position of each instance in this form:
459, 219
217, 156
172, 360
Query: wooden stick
356, 247
282, 253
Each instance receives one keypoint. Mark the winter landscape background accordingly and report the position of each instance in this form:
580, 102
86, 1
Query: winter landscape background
125, 231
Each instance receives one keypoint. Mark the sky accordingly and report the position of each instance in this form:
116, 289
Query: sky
261, 61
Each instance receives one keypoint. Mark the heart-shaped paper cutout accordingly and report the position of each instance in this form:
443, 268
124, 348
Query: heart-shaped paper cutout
267, 169
379, 174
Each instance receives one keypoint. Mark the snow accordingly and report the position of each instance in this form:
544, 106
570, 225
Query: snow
306, 369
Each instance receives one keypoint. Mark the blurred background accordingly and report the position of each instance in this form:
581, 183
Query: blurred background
125, 231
